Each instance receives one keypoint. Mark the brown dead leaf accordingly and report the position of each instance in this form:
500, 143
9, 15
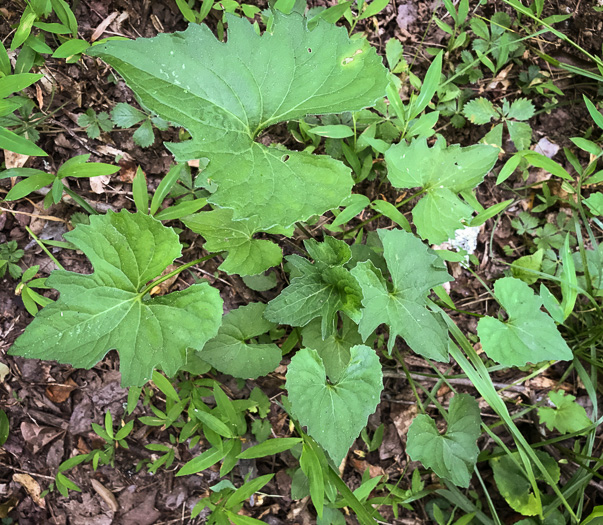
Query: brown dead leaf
403, 418
14, 160
127, 171
102, 26
105, 494
32, 487
60, 392
97, 184
38, 436
360, 466
164, 287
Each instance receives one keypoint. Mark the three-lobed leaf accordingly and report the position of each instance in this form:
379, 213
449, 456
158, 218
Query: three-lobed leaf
451, 455
106, 310
529, 335
567, 416
225, 94
443, 172
334, 413
414, 271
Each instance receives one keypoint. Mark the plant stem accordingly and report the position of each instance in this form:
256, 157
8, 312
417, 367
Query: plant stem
46, 250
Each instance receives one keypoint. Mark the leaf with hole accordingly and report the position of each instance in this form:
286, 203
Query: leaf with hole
226, 94
107, 310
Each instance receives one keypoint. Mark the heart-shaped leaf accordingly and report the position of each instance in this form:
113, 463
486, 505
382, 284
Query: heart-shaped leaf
334, 413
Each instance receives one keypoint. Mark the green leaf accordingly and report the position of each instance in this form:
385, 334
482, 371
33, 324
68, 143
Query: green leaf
4, 427
334, 413
594, 113
529, 336
106, 310
334, 131
215, 424
269, 447
595, 203
414, 271
204, 461
442, 172
451, 455
144, 135
322, 289
480, 111
126, 116
12, 83
229, 351
70, 48
246, 255
513, 484
373, 8
520, 133
524, 267
429, 87
80, 167
140, 191
13, 142
225, 94
521, 109
393, 52
32, 183
335, 349
568, 416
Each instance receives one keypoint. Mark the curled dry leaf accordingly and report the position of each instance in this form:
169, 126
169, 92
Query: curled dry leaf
59, 393
105, 494
32, 487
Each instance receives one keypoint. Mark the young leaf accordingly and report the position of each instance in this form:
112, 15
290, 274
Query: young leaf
521, 109
334, 413
335, 349
126, 116
105, 310
246, 255
529, 336
443, 172
451, 455
568, 416
229, 352
414, 272
225, 94
513, 484
480, 111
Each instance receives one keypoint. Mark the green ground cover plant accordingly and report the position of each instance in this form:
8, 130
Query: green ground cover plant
353, 296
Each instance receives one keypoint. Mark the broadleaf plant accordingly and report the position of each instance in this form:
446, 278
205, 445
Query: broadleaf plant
226, 94
110, 308
442, 172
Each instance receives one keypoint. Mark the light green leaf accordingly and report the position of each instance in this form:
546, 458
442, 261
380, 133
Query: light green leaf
529, 336
568, 416
393, 52
12, 83
373, 8
269, 447
105, 310
443, 172
451, 455
595, 203
524, 267
70, 48
246, 255
521, 109
13, 142
334, 413
334, 131
126, 116
520, 133
480, 111
322, 289
594, 113
335, 349
144, 135
414, 271
513, 484
225, 94
32, 183
229, 352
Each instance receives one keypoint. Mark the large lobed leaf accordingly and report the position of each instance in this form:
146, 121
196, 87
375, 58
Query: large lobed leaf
443, 172
414, 271
105, 310
334, 413
225, 94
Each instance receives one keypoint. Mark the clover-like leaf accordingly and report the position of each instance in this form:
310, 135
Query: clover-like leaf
515, 487
321, 290
414, 271
226, 94
246, 255
567, 416
529, 335
442, 172
229, 351
451, 455
107, 310
334, 413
